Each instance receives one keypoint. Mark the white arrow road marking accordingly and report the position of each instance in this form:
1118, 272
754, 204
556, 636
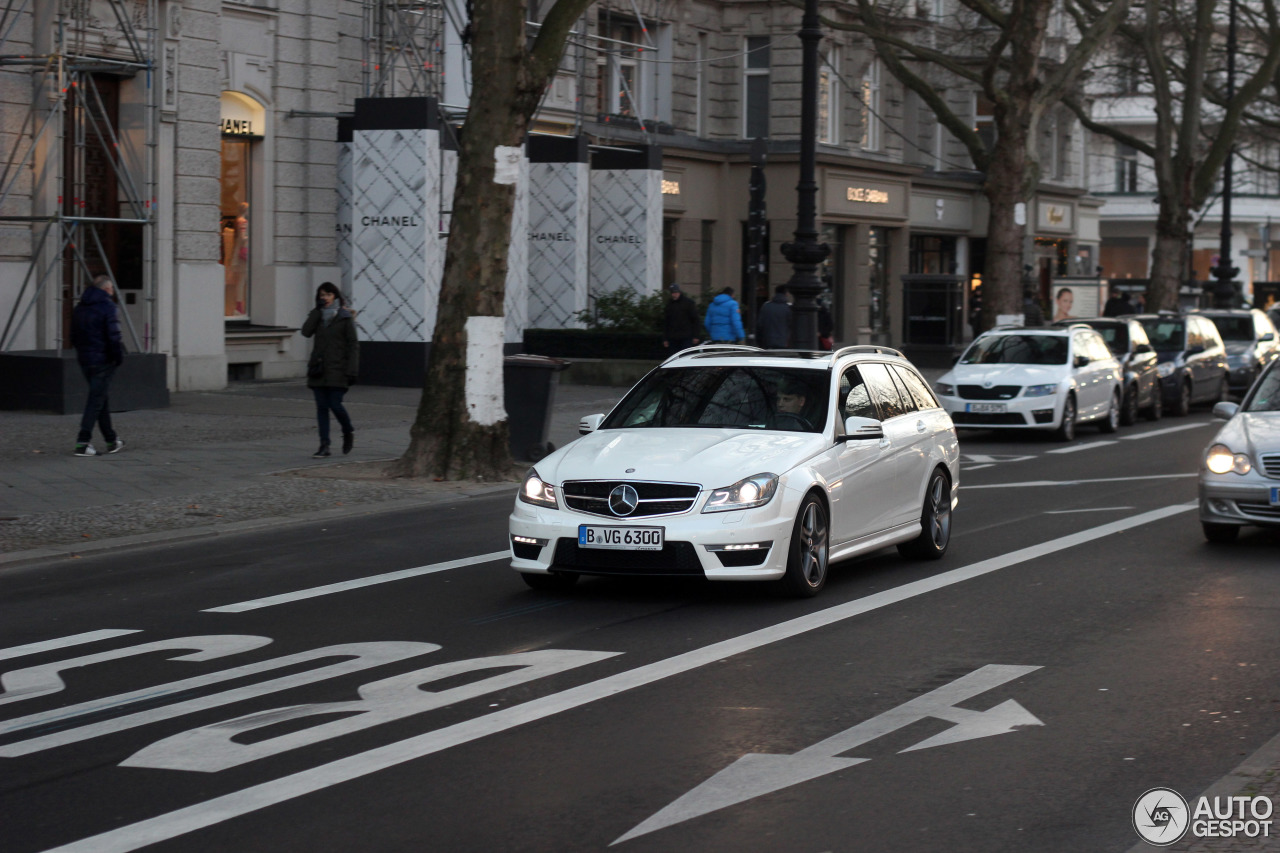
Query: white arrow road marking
755, 774
248, 800
343, 586
64, 642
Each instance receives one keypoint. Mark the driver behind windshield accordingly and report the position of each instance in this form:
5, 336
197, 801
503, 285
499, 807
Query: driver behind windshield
791, 397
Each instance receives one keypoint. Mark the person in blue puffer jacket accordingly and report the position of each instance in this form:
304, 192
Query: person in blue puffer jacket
724, 320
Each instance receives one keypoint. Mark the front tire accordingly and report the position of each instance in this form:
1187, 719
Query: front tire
550, 582
1129, 411
807, 557
935, 522
1182, 407
1156, 410
1220, 532
1066, 430
1111, 422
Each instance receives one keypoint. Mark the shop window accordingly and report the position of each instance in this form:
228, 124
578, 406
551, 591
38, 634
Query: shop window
878, 278
932, 255
237, 182
707, 254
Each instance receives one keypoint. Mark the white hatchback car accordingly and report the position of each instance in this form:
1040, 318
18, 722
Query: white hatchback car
1035, 378
1240, 471
734, 463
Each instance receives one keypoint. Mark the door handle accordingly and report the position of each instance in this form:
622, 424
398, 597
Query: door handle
884, 443
920, 427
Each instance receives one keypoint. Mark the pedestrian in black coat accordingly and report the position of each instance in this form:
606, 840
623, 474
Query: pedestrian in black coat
681, 327
95, 333
334, 363
773, 326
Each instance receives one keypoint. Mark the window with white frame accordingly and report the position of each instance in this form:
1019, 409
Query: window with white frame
984, 121
871, 125
627, 82
1126, 169
755, 88
829, 98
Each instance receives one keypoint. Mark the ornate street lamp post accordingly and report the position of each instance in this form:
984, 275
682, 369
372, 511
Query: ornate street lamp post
805, 253
1224, 292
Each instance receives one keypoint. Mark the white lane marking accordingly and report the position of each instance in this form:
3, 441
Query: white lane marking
1042, 483
343, 586
978, 467
1078, 447
64, 642
1164, 431
1087, 509
756, 774
252, 799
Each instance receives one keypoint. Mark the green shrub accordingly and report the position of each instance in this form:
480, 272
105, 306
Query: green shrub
625, 311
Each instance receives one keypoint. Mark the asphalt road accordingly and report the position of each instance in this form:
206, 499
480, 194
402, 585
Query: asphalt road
288, 690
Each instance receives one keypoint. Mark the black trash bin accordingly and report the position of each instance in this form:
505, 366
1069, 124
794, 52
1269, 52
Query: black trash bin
529, 393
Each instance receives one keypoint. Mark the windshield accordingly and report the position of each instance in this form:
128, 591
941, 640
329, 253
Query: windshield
790, 399
1165, 334
1017, 349
1116, 336
1234, 328
1266, 394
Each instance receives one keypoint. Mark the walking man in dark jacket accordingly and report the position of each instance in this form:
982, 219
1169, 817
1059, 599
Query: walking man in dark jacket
773, 326
681, 324
95, 333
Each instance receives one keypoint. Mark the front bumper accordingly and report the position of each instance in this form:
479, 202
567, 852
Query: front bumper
1019, 413
693, 543
1240, 378
1233, 499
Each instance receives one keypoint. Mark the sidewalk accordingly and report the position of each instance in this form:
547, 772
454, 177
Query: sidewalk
217, 461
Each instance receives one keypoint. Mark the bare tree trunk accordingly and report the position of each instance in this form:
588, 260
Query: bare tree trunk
1004, 189
459, 432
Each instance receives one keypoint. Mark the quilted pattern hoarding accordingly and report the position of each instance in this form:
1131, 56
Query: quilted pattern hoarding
626, 230
559, 205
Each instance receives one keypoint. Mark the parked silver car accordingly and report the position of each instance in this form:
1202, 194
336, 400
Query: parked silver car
1240, 471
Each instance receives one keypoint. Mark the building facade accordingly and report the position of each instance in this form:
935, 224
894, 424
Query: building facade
199, 159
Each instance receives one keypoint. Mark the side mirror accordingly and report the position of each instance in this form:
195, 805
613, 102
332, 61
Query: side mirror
861, 429
1225, 410
1269, 336
1142, 348
1082, 361
590, 424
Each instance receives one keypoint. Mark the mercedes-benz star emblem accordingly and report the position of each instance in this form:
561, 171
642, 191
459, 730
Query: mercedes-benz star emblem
623, 500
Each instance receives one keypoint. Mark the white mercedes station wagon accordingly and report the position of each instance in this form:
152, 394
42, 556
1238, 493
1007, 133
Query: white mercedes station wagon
734, 463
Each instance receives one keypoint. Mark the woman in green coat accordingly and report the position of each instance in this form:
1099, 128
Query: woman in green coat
334, 364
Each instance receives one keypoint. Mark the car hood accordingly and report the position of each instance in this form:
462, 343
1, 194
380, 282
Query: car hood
1251, 432
1238, 347
710, 457
1004, 374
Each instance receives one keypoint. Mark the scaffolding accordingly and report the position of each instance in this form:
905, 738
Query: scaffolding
78, 175
403, 48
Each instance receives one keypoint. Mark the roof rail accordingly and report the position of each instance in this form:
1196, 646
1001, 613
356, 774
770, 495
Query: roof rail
706, 348
866, 348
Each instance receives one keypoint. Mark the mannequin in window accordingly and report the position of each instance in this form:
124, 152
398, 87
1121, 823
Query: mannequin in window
238, 264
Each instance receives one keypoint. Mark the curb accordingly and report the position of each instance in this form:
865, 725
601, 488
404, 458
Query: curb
31, 557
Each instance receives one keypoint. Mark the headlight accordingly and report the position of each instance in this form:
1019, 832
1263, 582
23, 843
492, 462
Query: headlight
1165, 368
534, 491
756, 490
1220, 460
1040, 390
945, 389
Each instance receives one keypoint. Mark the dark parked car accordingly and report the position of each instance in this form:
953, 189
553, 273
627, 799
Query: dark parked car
1251, 342
1127, 340
1192, 359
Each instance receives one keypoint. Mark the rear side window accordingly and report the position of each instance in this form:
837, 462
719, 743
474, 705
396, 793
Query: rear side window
883, 391
917, 387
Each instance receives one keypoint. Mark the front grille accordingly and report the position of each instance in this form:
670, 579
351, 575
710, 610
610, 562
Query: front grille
999, 392
981, 419
675, 558
1270, 464
592, 496
1258, 510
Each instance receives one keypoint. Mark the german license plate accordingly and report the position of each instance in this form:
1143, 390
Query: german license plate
985, 408
620, 538
1275, 495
